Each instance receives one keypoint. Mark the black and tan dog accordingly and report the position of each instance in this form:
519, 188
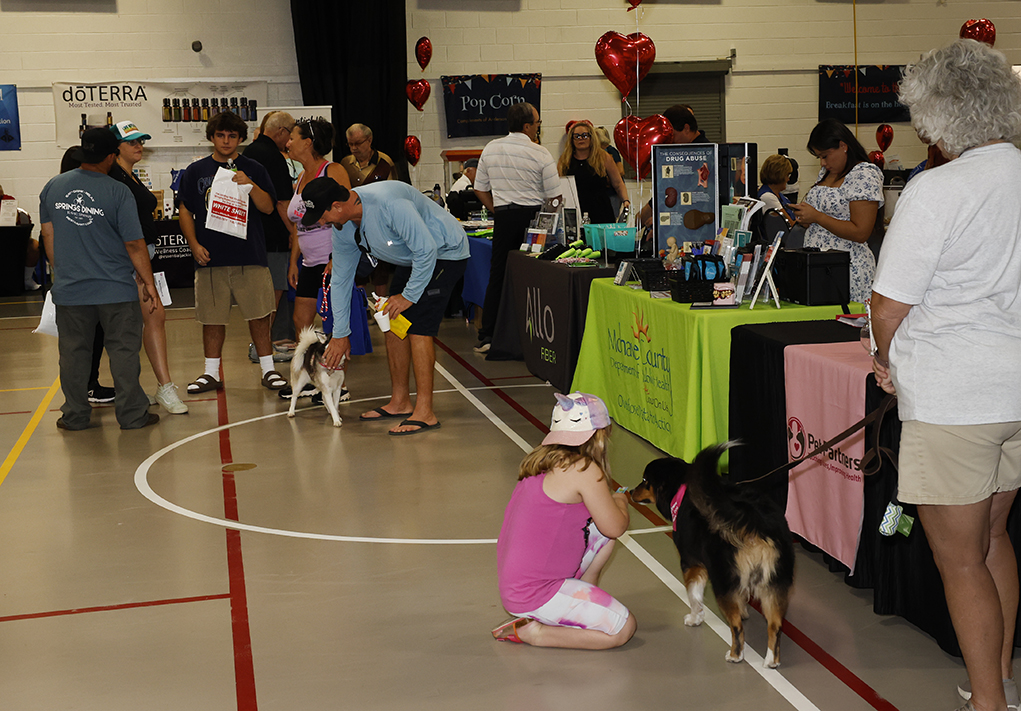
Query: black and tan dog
307, 367
729, 535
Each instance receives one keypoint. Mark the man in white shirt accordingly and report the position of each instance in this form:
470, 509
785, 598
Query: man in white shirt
515, 175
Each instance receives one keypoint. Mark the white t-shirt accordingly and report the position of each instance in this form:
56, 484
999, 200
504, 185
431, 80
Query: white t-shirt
953, 251
517, 172
460, 184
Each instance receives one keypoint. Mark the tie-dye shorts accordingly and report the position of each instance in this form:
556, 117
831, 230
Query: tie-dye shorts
580, 604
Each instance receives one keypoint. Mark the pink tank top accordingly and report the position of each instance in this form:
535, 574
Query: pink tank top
315, 242
541, 545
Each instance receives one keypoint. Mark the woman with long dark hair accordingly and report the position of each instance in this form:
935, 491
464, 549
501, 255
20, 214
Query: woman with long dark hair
841, 209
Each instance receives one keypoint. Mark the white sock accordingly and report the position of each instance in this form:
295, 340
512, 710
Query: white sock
213, 367
266, 363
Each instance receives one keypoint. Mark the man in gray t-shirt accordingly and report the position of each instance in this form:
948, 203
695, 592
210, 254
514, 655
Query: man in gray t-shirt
93, 238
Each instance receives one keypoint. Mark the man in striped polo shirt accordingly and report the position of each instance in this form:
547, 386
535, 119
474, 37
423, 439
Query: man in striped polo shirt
514, 177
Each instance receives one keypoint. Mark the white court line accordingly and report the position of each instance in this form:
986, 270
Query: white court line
142, 476
754, 660
771, 676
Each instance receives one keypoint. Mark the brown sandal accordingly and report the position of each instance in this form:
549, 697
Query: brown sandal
204, 383
274, 381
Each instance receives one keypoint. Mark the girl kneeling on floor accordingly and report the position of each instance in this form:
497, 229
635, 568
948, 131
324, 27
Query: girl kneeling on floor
558, 533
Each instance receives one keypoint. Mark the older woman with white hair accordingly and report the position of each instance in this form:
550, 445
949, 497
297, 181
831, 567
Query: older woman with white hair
946, 314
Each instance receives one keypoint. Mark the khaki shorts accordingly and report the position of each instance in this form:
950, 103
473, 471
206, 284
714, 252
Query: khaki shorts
251, 286
958, 464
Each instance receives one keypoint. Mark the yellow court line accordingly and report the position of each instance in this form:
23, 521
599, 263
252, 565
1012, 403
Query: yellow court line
8, 464
21, 390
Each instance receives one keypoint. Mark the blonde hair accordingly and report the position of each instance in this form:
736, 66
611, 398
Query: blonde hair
596, 154
775, 169
547, 457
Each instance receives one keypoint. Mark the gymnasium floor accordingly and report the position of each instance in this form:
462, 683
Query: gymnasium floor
231, 558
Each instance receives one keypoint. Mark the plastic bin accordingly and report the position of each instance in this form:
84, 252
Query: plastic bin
614, 236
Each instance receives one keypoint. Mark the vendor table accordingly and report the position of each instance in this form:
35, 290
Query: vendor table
542, 316
476, 274
13, 248
662, 368
175, 255
899, 569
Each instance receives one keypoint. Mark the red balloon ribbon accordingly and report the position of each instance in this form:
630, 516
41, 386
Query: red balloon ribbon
418, 92
621, 58
423, 51
635, 138
413, 149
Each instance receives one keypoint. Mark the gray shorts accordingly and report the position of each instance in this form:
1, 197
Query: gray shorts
955, 465
279, 262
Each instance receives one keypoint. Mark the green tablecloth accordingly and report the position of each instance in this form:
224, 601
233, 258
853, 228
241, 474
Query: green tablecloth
662, 368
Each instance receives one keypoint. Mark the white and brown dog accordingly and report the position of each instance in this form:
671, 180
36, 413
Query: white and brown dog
307, 367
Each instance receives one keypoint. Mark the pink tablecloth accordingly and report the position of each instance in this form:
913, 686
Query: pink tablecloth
825, 395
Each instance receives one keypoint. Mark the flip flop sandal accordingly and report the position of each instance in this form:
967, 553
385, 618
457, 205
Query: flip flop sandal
422, 427
274, 381
383, 414
204, 383
508, 631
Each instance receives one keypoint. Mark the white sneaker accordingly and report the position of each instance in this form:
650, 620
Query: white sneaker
166, 395
1009, 690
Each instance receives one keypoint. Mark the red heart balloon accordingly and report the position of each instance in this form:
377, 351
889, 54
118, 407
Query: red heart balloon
634, 4
877, 158
635, 138
625, 60
413, 149
423, 51
982, 30
418, 92
884, 136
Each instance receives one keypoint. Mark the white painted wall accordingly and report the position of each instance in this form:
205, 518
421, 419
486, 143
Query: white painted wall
771, 94
133, 40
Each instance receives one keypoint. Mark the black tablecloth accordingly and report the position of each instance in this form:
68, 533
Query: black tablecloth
175, 258
899, 569
542, 316
13, 249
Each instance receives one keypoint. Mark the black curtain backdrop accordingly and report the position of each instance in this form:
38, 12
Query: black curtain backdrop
353, 56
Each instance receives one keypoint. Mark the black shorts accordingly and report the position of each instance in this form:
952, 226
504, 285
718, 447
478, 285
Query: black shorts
427, 314
310, 281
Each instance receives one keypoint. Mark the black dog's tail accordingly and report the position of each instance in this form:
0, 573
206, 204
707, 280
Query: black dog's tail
707, 490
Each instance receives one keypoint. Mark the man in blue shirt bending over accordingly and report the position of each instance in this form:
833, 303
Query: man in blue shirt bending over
393, 222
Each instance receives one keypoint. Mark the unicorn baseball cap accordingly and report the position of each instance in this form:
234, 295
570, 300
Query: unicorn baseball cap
576, 418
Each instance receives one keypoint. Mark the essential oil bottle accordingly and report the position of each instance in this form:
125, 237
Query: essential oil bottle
196, 112
205, 109
168, 115
177, 110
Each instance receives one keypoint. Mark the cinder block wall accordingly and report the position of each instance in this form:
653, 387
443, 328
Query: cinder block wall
771, 94
48, 41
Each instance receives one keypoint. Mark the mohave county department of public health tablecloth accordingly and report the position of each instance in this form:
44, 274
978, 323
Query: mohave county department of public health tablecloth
662, 368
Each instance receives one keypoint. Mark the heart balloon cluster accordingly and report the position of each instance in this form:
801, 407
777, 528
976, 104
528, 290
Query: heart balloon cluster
625, 60
635, 138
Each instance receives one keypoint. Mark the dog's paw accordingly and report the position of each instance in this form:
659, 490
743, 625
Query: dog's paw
290, 413
734, 659
694, 619
769, 662
337, 423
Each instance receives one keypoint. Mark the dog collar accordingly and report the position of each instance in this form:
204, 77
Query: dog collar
675, 504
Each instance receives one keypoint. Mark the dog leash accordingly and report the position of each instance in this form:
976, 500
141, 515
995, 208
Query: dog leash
870, 463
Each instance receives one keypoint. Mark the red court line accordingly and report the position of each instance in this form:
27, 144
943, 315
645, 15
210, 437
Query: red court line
828, 662
499, 393
111, 608
244, 665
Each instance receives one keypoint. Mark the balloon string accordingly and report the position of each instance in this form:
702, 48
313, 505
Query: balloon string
638, 91
854, 23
